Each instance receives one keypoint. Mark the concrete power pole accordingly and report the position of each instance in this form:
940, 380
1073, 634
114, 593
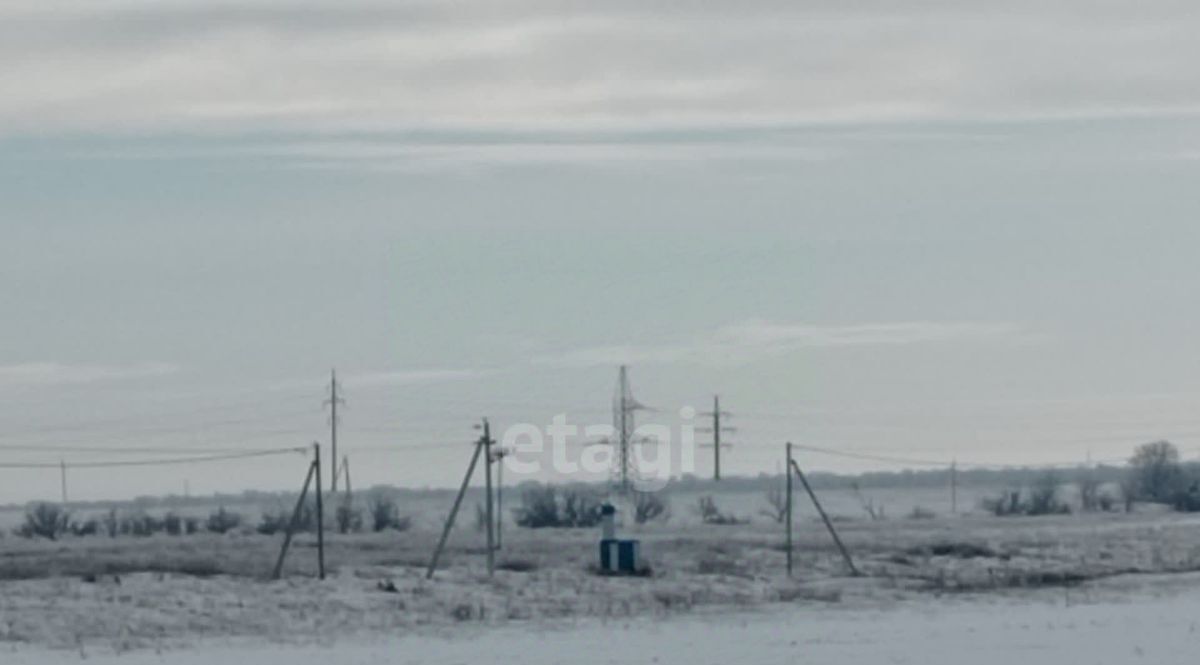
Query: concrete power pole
717, 429
333, 402
488, 460
499, 454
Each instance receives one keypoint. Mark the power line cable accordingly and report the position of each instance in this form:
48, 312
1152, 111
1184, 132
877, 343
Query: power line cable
152, 462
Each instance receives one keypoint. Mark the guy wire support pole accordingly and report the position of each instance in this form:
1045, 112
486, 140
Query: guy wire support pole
291, 526
462, 490
828, 524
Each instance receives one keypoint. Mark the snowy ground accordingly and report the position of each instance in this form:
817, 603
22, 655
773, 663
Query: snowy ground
1131, 619
978, 589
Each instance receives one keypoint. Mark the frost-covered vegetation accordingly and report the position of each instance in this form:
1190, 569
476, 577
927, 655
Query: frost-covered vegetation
150, 576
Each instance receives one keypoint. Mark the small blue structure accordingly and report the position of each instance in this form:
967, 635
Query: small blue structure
616, 556
619, 556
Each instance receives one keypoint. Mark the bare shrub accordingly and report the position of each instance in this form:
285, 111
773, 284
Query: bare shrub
87, 527
222, 521
873, 510
581, 509
541, 508
1043, 497
173, 524
648, 506
348, 519
921, 513
1008, 503
45, 520
1187, 500
777, 507
278, 522
1089, 492
140, 524
706, 506
385, 515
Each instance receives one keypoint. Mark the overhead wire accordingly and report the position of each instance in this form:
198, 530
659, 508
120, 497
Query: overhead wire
151, 462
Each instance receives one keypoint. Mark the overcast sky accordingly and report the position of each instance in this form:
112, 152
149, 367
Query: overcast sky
930, 229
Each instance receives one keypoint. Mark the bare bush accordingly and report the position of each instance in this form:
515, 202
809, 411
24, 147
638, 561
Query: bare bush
1008, 503
1041, 499
45, 520
541, 508
140, 524
581, 509
385, 515
222, 521
777, 508
1089, 492
873, 510
278, 522
348, 519
648, 506
87, 527
921, 513
706, 506
173, 524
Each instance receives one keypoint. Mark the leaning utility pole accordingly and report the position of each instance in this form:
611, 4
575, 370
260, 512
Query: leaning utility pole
716, 429
333, 402
483, 443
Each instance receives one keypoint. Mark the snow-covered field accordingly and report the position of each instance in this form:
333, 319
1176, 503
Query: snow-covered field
1151, 619
1067, 588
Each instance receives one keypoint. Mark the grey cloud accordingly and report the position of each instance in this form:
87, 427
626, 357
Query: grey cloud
58, 374
366, 66
746, 341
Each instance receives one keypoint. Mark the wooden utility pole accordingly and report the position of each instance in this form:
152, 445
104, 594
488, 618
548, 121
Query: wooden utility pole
462, 490
320, 513
62, 468
717, 429
788, 473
